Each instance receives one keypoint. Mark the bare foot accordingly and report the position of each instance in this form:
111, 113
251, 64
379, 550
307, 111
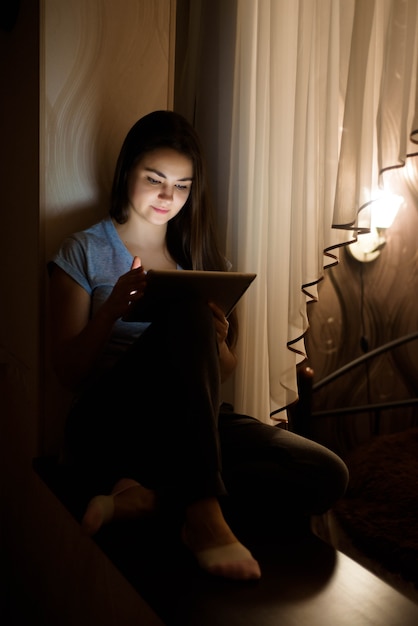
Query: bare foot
216, 548
128, 500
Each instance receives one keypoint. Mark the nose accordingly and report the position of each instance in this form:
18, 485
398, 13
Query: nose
166, 192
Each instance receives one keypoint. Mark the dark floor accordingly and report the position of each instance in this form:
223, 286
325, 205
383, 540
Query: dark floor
181, 595
305, 582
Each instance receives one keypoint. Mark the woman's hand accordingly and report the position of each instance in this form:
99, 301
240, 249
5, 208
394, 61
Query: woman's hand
129, 288
227, 358
221, 323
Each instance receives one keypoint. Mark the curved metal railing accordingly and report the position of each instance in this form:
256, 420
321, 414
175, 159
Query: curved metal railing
375, 408
365, 357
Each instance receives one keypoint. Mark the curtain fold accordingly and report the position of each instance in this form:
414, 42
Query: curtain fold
325, 101
397, 121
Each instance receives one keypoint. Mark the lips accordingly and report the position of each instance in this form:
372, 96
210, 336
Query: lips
160, 210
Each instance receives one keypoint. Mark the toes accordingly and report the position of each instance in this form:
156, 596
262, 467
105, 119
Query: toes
232, 561
240, 570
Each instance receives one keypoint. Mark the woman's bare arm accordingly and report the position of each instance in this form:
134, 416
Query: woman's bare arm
227, 357
77, 339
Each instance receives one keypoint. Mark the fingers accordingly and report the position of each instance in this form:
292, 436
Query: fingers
136, 263
136, 285
136, 279
225, 329
129, 288
221, 323
216, 310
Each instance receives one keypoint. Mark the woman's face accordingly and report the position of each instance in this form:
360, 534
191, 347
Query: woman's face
159, 185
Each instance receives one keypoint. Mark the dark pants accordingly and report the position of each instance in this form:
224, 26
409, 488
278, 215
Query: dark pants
155, 418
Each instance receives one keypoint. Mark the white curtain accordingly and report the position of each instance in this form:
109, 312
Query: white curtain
325, 100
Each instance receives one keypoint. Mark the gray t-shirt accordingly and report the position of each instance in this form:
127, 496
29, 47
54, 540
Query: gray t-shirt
95, 258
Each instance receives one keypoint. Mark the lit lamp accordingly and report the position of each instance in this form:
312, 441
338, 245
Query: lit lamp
383, 212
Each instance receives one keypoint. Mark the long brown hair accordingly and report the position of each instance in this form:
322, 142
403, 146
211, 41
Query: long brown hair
191, 235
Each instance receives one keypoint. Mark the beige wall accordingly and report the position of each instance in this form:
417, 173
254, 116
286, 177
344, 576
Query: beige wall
105, 64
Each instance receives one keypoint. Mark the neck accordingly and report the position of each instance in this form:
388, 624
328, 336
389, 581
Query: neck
147, 241
142, 234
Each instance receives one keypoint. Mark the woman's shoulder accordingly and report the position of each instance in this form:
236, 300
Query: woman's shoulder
85, 243
99, 230
85, 251
100, 234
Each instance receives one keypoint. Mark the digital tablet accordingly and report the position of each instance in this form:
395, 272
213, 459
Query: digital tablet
166, 286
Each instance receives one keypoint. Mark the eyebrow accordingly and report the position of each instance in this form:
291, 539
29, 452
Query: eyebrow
154, 171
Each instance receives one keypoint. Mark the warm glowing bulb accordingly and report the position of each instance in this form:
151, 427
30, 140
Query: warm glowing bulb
385, 209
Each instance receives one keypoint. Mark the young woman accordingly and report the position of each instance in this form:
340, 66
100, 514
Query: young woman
145, 430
